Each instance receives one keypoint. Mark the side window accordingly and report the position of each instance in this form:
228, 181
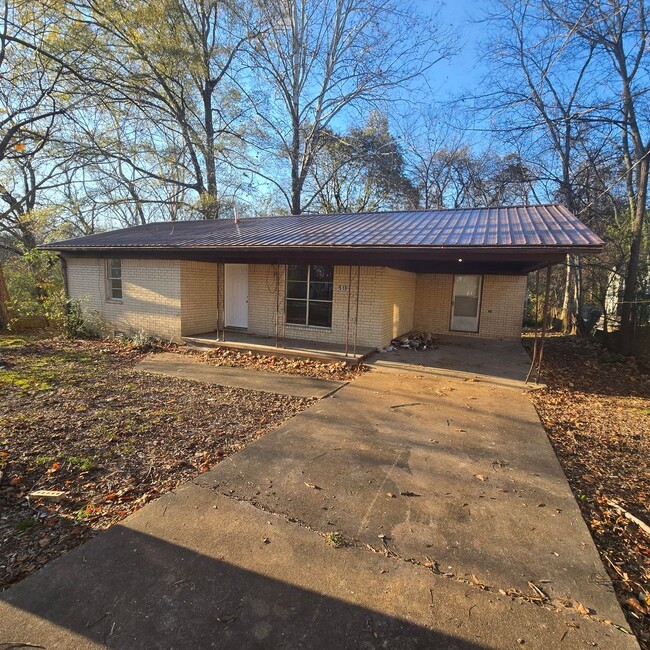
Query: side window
114, 279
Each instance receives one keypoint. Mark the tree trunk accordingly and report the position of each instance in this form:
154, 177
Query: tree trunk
296, 186
579, 294
628, 309
4, 301
212, 211
568, 314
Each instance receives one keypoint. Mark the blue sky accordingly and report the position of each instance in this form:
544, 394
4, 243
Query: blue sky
463, 71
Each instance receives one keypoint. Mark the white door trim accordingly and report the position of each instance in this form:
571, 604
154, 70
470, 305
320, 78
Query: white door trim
236, 295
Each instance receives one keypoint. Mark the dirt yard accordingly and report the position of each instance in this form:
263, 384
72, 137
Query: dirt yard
596, 411
76, 417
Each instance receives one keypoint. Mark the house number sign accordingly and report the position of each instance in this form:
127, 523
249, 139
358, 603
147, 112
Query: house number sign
343, 287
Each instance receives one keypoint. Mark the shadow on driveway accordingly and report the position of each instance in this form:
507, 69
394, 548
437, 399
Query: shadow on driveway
129, 589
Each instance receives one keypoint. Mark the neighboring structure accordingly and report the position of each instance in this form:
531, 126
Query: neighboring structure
343, 278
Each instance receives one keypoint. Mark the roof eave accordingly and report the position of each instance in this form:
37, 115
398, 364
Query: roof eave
565, 248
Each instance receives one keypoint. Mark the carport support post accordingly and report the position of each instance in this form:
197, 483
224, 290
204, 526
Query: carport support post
222, 268
356, 315
347, 322
544, 323
277, 304
532, 363
284, 301
218, 304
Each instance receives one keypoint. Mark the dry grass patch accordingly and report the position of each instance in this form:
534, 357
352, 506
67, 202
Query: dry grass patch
76, 417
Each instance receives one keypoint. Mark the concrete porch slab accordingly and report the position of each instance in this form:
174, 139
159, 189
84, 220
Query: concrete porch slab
293, 348
184, 367
498, 362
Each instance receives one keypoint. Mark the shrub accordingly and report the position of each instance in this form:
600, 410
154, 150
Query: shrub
74, 323
35, 286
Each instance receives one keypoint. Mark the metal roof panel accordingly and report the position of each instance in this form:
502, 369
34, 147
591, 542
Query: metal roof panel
519, 226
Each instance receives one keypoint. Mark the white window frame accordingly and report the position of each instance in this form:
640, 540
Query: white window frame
111, 278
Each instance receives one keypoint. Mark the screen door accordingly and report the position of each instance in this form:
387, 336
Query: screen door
466, 303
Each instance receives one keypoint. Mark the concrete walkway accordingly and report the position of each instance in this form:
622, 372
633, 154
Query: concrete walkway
184, 367
445, 492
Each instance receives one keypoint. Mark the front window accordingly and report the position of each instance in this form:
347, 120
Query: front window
114, 279
309, 295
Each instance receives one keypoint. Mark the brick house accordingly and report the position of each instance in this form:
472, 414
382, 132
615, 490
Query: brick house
333, 279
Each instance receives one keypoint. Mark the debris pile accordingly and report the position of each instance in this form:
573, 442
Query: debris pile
412, 341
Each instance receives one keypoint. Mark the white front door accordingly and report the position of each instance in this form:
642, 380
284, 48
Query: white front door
466, 303
237, 295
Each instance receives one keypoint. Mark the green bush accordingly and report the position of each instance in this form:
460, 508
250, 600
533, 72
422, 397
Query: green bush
35, 286
74, 323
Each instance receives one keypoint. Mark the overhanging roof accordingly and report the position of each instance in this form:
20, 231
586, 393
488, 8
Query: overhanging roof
526, 235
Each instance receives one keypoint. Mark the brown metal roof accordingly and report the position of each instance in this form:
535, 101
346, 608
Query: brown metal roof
522, 227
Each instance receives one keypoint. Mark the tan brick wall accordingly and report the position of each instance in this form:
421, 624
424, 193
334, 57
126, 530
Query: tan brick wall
170, 298
262, 282
502, 305
433, 302
397, 291
386, 304
198, 297
151, 291
262, 306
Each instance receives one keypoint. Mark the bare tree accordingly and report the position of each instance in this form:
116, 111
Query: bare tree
619, 30
542, 86
323, 60
32, 102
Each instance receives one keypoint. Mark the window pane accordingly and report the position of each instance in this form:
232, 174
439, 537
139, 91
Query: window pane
465, 306
297, 290
116, 293
115, 268
320, 291
116, 284
297, 312
295, 272
321, 273
320, 314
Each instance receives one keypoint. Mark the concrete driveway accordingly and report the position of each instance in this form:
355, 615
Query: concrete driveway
458, 530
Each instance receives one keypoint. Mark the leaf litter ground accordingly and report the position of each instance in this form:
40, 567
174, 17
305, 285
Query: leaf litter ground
76, 417
596, 411
229, 357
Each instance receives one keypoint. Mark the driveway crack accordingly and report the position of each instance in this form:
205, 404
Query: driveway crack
538, 597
